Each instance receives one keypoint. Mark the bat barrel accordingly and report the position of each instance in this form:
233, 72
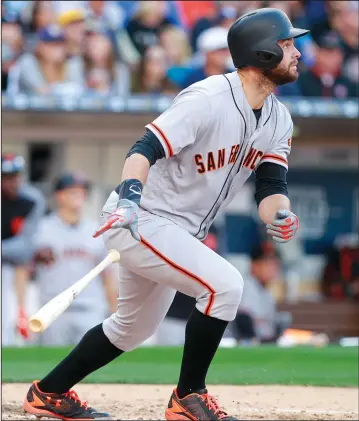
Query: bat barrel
36, 325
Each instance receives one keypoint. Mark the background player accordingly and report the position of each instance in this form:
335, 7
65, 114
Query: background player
63, 254
192, 161
22, 206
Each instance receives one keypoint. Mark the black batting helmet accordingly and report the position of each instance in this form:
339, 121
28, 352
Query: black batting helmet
252, 39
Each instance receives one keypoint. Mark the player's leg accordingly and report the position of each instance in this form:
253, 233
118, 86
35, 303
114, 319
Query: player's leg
8, 305
169, 255
142, 306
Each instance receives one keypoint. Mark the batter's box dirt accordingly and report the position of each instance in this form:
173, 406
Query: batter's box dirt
148, 402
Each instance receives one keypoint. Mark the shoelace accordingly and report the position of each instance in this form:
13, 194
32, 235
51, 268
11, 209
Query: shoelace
71, 394
213, 405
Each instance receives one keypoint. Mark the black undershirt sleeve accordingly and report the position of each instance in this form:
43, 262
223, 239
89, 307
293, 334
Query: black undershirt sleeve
148, 146
270, 179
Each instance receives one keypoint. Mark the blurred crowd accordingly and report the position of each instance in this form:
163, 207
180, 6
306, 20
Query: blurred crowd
121, 47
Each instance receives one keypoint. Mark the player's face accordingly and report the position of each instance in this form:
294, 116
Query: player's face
72, 198
10, 184
286, 71
266, 270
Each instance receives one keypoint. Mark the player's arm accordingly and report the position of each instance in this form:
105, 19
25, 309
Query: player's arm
22, 279
166, 136
271, 189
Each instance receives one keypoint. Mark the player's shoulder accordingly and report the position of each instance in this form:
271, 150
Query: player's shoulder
282, 111
49, 218
31, 193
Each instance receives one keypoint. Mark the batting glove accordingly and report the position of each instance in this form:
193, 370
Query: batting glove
125, 216
284, 226
22, 325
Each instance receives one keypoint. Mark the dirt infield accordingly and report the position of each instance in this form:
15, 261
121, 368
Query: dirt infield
141, 402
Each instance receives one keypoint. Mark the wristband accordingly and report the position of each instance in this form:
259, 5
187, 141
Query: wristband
130, 189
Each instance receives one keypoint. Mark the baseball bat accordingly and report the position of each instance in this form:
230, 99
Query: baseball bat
54, 308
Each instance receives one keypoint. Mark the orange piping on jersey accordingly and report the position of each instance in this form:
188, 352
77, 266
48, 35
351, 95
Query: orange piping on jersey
277, 157
164, 137
185, 272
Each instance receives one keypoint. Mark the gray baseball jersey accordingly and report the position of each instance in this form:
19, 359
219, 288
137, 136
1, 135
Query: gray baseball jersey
213, 143
76, 253
258, 302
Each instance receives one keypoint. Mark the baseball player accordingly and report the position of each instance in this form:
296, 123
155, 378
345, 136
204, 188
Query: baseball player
63, 253
191, 162
22, 207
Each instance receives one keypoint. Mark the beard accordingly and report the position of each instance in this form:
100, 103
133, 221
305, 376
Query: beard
281, 74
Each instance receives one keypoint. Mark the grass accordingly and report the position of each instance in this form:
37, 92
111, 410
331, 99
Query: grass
331, 366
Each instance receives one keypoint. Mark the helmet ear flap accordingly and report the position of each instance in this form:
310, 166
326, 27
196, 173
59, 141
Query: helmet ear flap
264, 57
269, 56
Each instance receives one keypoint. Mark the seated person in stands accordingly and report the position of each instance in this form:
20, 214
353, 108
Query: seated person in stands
258, 320
49, 70
212, 43
340, 278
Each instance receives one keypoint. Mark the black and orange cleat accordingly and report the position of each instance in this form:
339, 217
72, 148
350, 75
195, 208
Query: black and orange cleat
66, 406
196, 406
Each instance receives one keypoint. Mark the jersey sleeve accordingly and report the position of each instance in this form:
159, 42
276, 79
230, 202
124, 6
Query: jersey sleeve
280, 147
182, 122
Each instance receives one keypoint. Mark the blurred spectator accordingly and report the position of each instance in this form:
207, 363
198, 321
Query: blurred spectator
341, 272
72, 22
22, 206
345, 20
102, 73
12, 46
65, 252
151, 76
213, 45
174, 40
325, 78
107, 14
48, 70
257, 319
145, 25
191, 12
39, 15
225, 16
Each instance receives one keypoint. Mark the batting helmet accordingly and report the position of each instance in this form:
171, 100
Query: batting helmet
252, 39
12, 164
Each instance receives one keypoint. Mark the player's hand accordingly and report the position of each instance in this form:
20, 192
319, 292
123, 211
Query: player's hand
284, 226
45, 256
22, 324
125, 216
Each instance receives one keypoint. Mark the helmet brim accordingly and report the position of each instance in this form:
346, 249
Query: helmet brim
297, 32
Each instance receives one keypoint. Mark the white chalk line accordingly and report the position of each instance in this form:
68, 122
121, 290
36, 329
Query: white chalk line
298, 411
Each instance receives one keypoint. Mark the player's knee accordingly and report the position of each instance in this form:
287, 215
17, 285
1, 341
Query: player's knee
223, 302
232, 295
124, 334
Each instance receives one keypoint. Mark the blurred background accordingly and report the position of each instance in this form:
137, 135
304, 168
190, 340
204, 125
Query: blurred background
81, 79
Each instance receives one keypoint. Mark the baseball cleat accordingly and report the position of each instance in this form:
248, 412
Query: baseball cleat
66, 406
196, 406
